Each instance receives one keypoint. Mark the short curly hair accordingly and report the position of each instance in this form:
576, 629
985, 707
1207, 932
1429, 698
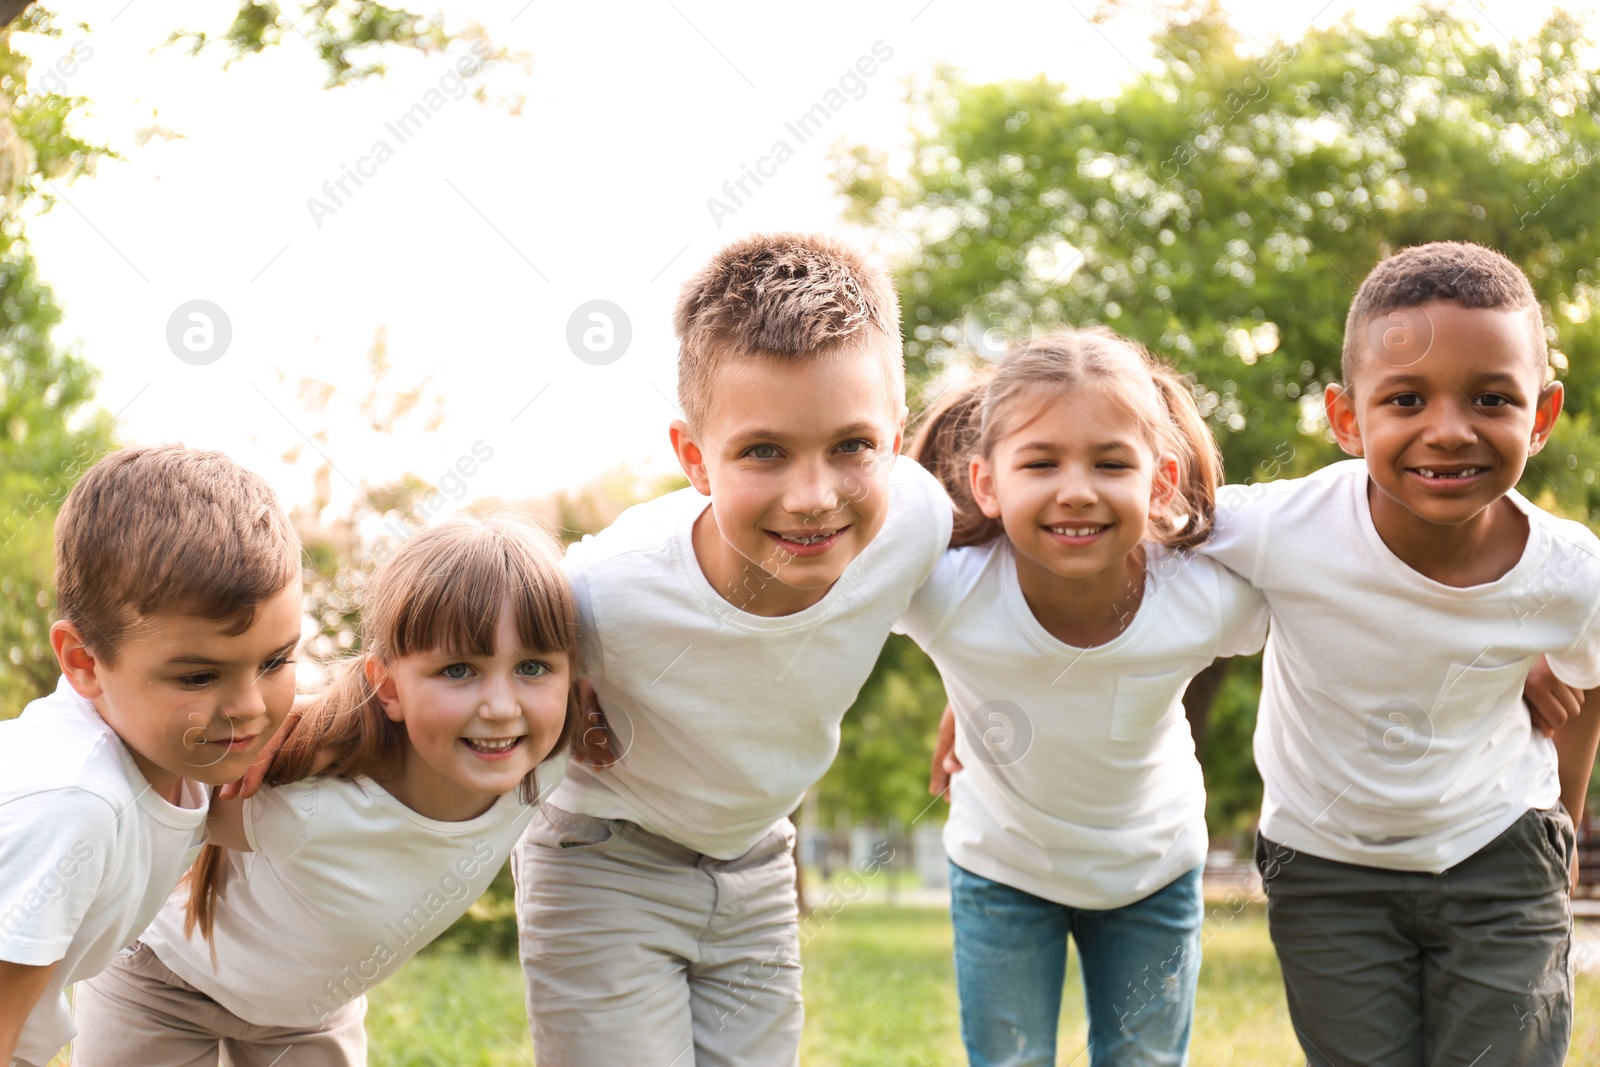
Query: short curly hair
782, 296
1463, 273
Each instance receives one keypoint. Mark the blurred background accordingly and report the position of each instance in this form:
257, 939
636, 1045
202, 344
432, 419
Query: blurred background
404, 262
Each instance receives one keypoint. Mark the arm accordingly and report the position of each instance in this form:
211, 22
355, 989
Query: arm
1575, 747
945, 764
1550, 701
225, 824
594, 743
21, 986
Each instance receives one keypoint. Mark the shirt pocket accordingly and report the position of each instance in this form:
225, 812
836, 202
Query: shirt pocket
1471, 693
1144, 703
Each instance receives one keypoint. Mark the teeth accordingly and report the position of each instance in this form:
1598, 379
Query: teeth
1076, 531
812, 540
1429, 472
492, 746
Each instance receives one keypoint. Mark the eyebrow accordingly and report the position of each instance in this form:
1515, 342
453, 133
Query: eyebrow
206, 661
1051, 446
1494, 378
855, 429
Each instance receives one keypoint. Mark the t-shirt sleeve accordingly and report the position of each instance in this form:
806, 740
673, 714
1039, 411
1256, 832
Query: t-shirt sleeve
932, 502
1579, 664
55, 847
925, 616
1244, 616
1239, 529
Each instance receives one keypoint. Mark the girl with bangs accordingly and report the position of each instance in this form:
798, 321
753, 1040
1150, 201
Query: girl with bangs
1067, 619
390, 805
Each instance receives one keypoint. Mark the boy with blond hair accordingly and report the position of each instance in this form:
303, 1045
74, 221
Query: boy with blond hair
178, 587
725, 640
1416, 830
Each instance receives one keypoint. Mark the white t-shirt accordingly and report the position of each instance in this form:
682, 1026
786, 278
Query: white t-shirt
1080, 783
88, 851
726, 718
345, 884
1392, 730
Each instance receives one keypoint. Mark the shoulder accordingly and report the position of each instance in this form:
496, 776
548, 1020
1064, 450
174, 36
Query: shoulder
920, 513
60, 743
643, 528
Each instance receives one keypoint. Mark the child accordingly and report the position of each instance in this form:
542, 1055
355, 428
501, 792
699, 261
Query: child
725, 641
178, 585
1414, 851
388, 809
1067, 620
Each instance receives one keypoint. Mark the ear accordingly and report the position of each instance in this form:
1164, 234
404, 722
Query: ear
900, 430
1163, 485
80, 665
1545, 415
383, 687
1341, 409
690, 458
983, 491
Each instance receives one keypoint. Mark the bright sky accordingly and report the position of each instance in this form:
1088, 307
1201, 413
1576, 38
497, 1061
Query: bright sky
474, 239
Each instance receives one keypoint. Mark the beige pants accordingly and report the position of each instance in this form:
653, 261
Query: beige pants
137, 1013
639, 952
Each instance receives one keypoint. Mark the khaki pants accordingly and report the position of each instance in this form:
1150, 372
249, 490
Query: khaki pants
639, 952
137, 1013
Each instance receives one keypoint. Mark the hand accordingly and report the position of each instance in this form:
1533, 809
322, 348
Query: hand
1551, 702
594, 744
247, 786
945, 764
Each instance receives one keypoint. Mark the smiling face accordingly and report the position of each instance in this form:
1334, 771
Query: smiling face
796, 455
187, 698
1446, 434
1075, 483
476, 724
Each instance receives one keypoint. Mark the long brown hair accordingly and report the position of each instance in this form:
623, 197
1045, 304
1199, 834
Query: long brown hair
442, 589
970, 418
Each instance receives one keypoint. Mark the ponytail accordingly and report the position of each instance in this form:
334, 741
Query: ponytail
1193, 517
946, 443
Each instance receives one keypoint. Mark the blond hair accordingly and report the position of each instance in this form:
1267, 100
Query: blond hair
169, 529
442, 589
782, 296
970, 419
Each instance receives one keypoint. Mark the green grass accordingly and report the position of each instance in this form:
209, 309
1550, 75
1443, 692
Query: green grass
880, 992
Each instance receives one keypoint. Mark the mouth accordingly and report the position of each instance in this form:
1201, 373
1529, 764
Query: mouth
1444, 477
227, 744
1078, 533
806, 542
493, 747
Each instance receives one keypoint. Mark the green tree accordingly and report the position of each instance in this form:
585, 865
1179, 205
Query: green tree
1223, 207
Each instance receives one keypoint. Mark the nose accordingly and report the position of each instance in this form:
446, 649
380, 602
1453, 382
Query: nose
812, 490
1075, 486
1451, 425
247, 702
499, 703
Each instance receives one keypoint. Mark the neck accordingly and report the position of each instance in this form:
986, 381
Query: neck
432, 795
1475, 552
167, 786
1088, 611
740, 582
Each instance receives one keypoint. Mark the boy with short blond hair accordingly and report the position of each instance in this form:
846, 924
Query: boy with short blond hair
1416, 830
725, 641
178, 587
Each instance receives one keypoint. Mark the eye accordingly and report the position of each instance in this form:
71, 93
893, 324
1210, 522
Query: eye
1406, 400
856, 447
1493, 400
1039, 465
533, 668
762, 452
276, 665
456, 671
198, 681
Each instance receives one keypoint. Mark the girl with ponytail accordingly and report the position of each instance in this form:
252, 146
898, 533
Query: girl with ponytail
393, 801
1067, 619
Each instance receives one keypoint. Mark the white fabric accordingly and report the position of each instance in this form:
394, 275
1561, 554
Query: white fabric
1392, 730
1087, 791
88, 851
344, 885
727, 718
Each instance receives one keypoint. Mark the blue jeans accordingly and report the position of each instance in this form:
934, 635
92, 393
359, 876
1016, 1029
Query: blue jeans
1140, 966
